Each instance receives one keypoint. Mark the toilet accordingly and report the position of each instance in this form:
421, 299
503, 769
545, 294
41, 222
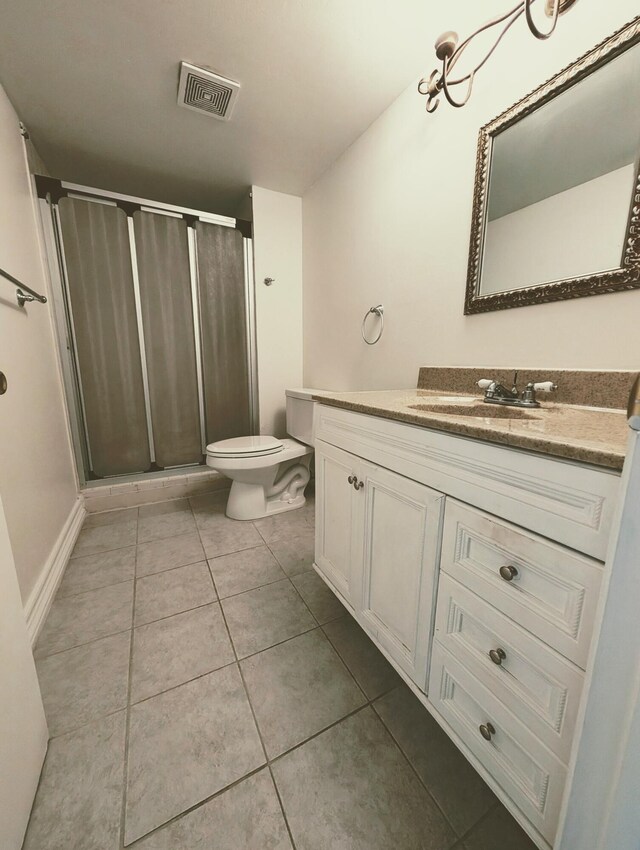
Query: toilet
269, 474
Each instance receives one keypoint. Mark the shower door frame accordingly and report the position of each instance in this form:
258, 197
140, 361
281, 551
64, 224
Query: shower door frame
49, 192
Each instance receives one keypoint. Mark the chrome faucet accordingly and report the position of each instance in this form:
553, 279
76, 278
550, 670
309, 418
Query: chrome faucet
495, 393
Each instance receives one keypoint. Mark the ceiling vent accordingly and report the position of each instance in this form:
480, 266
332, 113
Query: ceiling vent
207, 92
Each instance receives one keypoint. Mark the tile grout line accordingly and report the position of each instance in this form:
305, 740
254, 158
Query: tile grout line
368, 703
319, 626
422, 783
290, 579
94, 589
87, 723
459, 845
258, 730
237, 659
186, 682
224, 618
281, 804
224, 554
264, 750
459, 838
40, 658
176, 613
102, 551
265, 766
286, 577
169, 569
352, 713
250, 589
91, 589
235, 552
191, 809
253, 714
129, 708
125, 766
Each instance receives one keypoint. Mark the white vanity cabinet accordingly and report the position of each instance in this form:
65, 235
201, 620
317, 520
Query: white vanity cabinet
476, 569
338, 518
377, 544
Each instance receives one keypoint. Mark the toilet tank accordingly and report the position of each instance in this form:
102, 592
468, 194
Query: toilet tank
300, 414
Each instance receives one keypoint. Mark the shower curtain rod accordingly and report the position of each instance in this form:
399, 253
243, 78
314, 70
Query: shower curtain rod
22, 298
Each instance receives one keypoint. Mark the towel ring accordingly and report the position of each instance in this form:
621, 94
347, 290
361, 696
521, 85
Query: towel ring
379, 312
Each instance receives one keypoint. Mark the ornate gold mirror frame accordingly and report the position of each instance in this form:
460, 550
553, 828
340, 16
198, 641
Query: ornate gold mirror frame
627, 276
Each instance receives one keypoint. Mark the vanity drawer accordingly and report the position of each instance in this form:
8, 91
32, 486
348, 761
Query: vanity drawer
554, 591
536, 683
530, 774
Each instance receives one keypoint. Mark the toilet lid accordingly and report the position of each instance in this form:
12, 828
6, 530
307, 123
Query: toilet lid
245, 447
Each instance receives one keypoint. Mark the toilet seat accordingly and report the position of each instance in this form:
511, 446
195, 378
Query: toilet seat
239, 447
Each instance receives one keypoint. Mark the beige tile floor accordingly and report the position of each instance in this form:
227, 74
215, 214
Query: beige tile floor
206, 691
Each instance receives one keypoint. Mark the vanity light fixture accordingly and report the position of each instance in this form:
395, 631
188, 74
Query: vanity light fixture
449, 49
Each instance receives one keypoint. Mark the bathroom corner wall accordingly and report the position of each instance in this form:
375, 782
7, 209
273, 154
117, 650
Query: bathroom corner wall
37, 475
390, 223
277, 246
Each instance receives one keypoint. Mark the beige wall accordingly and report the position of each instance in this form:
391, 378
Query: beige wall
277, 222
23, 728
390, 221
37, 478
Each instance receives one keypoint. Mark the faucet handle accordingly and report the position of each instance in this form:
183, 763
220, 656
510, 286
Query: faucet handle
545, 387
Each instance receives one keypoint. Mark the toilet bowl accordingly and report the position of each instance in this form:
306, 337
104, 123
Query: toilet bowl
268, 474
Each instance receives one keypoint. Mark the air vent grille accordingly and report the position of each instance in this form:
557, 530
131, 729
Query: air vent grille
207, 92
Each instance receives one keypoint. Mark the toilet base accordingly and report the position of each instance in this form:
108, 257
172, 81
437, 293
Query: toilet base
274, 490
247, 501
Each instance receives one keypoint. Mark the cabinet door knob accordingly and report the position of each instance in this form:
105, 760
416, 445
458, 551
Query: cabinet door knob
508, 573
497, 655
487, 730
352, 479
358, 484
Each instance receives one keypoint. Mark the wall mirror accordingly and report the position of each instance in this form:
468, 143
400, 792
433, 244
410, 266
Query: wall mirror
556, 210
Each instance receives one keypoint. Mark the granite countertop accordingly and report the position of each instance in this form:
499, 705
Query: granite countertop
587, 434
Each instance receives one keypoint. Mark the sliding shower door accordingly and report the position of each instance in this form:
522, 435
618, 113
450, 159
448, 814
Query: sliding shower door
103, 319
223, 312
158, 308
162, 255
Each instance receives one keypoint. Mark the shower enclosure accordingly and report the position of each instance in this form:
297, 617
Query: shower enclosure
155, 313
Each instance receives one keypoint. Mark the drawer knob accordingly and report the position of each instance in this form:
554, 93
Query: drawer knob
487, 730
497, 655
358, 484
508, 573
351, 479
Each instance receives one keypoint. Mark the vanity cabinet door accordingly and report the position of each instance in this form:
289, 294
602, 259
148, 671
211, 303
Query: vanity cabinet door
338, 518
398, 566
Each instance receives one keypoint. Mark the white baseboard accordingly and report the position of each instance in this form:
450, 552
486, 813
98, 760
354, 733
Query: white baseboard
41, 597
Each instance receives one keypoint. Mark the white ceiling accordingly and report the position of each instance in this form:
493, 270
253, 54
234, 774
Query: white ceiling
96, 82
